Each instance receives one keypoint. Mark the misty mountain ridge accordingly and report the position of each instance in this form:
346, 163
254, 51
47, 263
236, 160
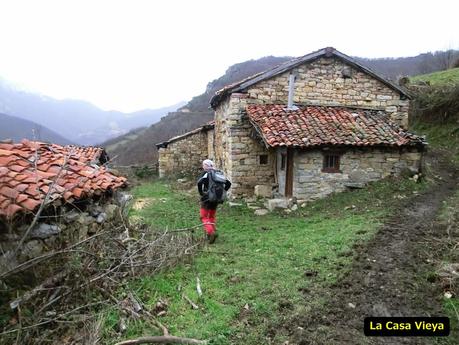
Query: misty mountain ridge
79, 121
16, 129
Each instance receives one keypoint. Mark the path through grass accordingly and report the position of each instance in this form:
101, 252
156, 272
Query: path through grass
260, 268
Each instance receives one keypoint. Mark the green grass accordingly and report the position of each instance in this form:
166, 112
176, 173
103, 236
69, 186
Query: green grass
450, 76
257, 262
449, 216
441, 136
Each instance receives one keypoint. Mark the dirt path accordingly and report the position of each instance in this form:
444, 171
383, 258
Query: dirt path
385, 276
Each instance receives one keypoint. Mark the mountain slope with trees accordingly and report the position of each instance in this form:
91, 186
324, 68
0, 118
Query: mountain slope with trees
140, 148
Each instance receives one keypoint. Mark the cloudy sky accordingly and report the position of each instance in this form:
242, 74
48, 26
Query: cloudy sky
130, 54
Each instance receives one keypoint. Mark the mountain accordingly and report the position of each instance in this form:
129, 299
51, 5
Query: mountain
138, 147
80, 121
17, 129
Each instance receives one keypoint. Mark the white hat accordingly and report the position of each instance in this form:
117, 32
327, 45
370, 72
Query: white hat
207, 164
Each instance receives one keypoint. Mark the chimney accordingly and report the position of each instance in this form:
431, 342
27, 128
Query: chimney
291, 91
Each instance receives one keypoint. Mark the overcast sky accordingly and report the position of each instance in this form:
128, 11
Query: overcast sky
129, 55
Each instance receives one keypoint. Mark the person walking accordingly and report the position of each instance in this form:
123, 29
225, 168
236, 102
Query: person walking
208, 209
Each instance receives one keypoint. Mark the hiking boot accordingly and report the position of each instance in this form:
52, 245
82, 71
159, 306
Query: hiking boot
212, 237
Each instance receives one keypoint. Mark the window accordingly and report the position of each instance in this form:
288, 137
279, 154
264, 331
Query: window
346, 72
283, 161
263, 159
331, 163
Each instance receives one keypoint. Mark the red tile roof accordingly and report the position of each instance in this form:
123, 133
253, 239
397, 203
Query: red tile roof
205, 127
29, 169
312, 126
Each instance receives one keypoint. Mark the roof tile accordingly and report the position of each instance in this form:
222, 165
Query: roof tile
29, 169
311, 126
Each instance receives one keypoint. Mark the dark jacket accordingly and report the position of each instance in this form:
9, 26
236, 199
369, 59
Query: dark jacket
203, 186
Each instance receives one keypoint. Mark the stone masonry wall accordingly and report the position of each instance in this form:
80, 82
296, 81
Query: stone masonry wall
185, 155
65, 226
321, 82
357, 166
238, 150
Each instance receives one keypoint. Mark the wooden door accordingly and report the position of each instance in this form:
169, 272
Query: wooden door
289, 174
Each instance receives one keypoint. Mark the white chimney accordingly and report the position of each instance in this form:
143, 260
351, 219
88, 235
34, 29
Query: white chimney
291, 91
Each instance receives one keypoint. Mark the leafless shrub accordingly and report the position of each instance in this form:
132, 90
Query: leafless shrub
72, 284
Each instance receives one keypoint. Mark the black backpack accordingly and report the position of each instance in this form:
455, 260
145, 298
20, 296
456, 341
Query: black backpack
216, 191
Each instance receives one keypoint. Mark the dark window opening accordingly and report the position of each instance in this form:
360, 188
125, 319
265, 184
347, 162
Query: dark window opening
283, 161
331, 163
346, 72
263, 159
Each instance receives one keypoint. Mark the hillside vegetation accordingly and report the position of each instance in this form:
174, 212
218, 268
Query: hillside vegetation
441, 78
435, 109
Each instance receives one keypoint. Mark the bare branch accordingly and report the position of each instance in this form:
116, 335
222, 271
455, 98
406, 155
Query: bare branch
164, 339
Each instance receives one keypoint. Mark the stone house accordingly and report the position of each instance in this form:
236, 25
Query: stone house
314, 125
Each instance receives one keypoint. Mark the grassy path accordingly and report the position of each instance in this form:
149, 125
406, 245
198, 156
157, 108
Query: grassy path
261, 269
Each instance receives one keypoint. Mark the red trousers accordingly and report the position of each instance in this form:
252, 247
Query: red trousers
208, 220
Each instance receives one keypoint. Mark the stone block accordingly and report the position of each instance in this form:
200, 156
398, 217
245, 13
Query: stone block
43, 231
263, 191
276, 203
261, 212
413, 156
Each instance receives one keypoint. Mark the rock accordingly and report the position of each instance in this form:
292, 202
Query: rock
32, 249
71, 216
351, 305
234, 204
288, 211
8, 261
95, 210
85, 219
182, 180
92, 229
303, 205
124, 201
276, 203
44, 230
263, 191
448, 294
294, 207
111, 210
83, 232
253, 207
102, 217
261, 212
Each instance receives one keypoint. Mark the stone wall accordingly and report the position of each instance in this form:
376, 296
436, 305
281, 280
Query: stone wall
58, 228
357, 167
238, 148
321, 82
185, 155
